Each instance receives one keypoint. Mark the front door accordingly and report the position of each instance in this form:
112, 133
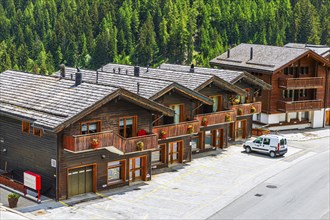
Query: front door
175, 152
137, 168
219, 138
80, 180
179, 113
240, 129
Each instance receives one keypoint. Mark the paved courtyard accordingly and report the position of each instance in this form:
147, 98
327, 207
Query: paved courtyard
195, 192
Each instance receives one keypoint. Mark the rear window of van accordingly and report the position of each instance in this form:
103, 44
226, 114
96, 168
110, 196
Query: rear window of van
283, 142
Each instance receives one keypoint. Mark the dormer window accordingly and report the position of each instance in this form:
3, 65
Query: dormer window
25, 127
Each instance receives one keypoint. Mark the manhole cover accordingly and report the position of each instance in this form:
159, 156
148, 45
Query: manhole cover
271, 186
258, 195
136, 189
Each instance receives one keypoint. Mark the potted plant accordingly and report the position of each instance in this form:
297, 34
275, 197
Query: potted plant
190, 129
204, 121
13, 199
253, 109
227, 118
162, 135
239, 111
95, 143
236, 101
139, 145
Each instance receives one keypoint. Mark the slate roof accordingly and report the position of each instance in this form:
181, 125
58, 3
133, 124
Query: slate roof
48, 102
322, 50
227, 75
148, 87
265, 58
192, 81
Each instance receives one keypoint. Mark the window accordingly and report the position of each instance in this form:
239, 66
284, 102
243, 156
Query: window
37, 132
128, 126
158, 156
194, 143
302, 92
116, 171
217, 103
179, 113
266, 141
286, 71
283, 142
90, 127
25, 127
258, 140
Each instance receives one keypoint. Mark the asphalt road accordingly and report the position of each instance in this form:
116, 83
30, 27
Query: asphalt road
299, 192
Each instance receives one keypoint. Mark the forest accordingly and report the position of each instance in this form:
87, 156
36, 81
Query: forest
39, 35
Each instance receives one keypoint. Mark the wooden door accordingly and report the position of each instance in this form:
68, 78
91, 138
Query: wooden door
327, 117
138, 168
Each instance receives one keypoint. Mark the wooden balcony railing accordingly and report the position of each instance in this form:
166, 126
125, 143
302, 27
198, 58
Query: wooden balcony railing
216, 118
128, 145
246, 109
179, 129
299, 105
83, 142
301, 83
108, 138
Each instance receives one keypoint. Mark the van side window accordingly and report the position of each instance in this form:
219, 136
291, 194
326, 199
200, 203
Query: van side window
283, 142
258, 140
266, 141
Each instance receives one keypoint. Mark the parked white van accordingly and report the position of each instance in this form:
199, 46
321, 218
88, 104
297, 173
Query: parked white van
269, 144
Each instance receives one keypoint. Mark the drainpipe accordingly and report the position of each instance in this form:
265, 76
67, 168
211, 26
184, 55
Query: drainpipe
326, 94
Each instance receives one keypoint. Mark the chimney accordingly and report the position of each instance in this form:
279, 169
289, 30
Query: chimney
114, 70
78, 77
119, 70
126, 72
228, 53
138, 87
192, 68
251, 53
136, 71
62, 69
148, 67
97, 77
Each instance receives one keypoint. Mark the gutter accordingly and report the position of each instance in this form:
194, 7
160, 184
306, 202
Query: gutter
326, 94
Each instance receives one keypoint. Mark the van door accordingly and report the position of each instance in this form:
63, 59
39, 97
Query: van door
257, 144
266, 145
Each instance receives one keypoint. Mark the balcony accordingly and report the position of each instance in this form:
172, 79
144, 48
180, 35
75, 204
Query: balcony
304, 105
301, 83
128, 145
216, 118
246, 109
83, 142
174, 130
79, 143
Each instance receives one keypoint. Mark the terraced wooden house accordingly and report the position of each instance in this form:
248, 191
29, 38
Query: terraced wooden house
173, 133
79, 136
299, 78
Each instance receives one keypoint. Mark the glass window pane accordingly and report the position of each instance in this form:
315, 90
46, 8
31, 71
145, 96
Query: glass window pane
121, 122
194, 143
215, 103
208, 140
93, 127
84, 128
137, 173
175, 156
155, 156
137, 162
115, 163
129, 121
114, 174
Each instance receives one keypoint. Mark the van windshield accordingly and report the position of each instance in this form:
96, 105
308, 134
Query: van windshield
283, 142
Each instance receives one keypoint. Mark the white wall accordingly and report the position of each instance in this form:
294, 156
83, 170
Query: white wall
317, 118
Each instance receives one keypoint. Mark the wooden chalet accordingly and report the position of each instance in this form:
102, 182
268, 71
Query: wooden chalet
299, 78
173, 133
215, 120
246, 106
79, 136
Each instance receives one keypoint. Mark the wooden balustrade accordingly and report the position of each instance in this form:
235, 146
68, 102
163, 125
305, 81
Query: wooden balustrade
179, 129
128, 145
83, 142
301, 83
299, 105
108, 138
216, 117
247, 108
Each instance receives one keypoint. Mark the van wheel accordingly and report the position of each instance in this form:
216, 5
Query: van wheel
272, 154
247, 149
